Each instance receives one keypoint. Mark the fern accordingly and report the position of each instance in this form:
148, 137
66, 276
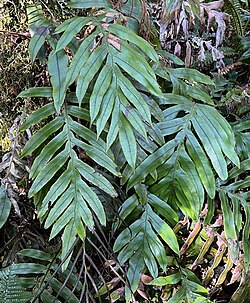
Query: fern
13, 287
170, 150
190, 289
139, 242
233, 8
26, 282
184, 166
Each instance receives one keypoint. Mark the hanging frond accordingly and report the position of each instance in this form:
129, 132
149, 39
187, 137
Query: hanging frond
114, 96
69, 203
185, 164
139, 243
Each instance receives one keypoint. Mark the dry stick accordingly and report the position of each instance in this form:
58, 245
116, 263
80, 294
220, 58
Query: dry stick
10, 33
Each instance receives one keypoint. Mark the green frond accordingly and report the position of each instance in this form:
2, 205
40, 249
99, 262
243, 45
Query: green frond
140, 245
233, 8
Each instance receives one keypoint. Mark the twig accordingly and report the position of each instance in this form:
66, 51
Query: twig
6, 32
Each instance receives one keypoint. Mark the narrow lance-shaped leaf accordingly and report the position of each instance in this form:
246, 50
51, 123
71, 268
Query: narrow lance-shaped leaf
79, 59
201, 163
190, 75
95, 178
132, 114
70, 31
45, 92
68, 239
114, 125
229, 225
211, 146
47, 153
58, 67
39, 115
89, 4
89, 70
221, 128
152, 162
48, 172
61, 206
36, 42
41, 135
163, 229
55, 191
171, 279
127, 141
101, 86
137, 69
127, 34
5, 205
106, 108
135, 97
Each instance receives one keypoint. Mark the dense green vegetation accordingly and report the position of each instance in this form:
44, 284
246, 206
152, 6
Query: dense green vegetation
128, 161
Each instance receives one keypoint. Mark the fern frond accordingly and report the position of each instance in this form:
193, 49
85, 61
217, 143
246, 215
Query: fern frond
233, 8
185, 164
15, 288
139, 243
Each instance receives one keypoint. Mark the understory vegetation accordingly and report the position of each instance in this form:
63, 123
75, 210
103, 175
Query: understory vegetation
125, 151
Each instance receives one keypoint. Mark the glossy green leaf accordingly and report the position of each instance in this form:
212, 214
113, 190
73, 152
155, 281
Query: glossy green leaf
127, 34
173, 126
246, 234
58, 67
100, 88
93, 201
88, 3
95, 178
163, 229
70, 31
163, 209
68, 239
134, 96
48, 172
88, 71
60, 206
211, 145
36, 254
161, 281
132, 115
127, 141
27, 268
5, 206
191, 75
228, 217
45, 92
41, 135
114, 125
80, 113
106, 108
47, 153
99, 156
63, 290
171, 57
152, 162
36, 42
137, 69
201, 163
55, 191
222, 131
39, 115
126, 208
79, 59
